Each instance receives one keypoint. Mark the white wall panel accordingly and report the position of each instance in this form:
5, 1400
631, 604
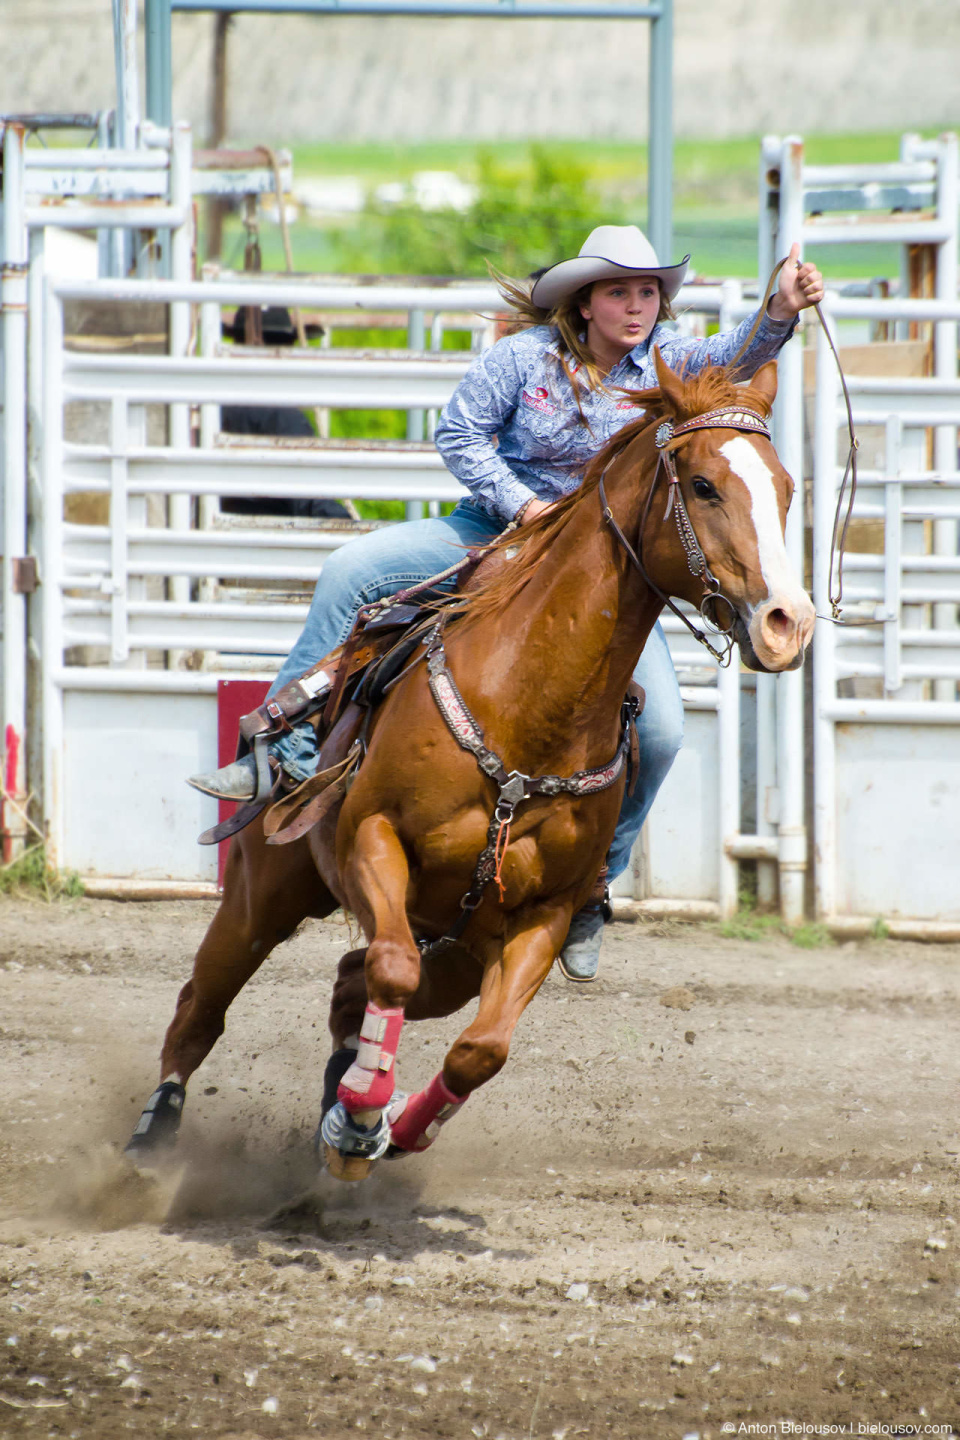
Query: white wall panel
127, 809
898, 820
683, 841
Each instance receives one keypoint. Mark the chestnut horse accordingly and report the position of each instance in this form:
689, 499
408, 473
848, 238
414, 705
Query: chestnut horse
542, 652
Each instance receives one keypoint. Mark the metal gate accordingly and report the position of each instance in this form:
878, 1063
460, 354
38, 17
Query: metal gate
165, 611
141, 615
887, 717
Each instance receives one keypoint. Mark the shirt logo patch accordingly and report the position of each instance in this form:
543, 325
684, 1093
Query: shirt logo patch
540, 400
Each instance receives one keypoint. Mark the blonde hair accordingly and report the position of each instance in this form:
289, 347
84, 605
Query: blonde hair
566, 319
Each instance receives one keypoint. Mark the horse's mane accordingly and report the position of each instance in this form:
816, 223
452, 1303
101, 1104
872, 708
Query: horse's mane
710, 389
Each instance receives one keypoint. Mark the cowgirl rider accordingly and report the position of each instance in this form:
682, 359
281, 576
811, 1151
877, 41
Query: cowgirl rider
518, 433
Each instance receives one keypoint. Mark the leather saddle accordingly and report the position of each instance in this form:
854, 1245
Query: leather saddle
337, 696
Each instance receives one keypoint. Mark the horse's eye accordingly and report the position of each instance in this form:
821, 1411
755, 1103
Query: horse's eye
704, 490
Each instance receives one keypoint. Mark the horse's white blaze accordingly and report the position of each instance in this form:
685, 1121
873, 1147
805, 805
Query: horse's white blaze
748, 466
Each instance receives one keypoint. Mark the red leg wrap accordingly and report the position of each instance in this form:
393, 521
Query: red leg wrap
418, 1124
368, 1084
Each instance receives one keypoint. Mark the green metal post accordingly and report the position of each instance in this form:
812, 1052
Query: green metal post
159, 63
660, 149
416, 341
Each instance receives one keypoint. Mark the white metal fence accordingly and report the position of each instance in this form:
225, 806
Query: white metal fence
887, 716
139, 201
100, 580
140, 616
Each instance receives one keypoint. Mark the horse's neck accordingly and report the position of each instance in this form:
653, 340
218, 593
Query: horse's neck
568, 644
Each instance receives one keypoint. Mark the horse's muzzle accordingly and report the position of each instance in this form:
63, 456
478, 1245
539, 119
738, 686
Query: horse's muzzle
777, 634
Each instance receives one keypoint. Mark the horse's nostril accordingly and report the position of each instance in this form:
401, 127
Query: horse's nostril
779, 622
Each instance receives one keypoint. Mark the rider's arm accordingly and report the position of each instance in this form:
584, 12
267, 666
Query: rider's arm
481, 405
720, 349
800, 284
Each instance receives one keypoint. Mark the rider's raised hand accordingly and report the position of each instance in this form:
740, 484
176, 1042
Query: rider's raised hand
801, 284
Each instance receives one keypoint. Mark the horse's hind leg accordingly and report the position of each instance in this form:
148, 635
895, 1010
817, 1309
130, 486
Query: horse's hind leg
267, 893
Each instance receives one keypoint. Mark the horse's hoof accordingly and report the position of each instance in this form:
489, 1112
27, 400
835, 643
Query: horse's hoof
156, 1131
351, 1150
346, 1167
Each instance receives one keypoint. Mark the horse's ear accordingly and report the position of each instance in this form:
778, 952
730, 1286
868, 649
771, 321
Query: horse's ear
764, 383
671, 386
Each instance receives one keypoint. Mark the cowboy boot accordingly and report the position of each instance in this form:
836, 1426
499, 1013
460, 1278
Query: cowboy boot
579, 959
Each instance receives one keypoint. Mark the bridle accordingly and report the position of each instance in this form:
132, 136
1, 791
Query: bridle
668, 437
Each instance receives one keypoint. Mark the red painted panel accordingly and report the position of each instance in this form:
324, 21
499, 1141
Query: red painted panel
234, 698
10, 787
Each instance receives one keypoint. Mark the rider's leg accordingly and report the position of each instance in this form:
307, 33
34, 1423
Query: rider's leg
660, 733
366, 569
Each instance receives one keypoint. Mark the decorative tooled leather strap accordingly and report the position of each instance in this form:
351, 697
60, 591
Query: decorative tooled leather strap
667, 437
514, 786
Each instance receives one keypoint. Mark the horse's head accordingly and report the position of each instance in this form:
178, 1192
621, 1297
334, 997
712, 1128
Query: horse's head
736, 495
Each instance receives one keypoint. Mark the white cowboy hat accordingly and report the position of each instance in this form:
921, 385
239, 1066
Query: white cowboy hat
607, 252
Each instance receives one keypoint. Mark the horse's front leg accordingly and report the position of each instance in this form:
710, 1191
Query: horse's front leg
376, 877
510, 982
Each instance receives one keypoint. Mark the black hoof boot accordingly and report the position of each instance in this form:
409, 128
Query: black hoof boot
156, 1130
337, 1066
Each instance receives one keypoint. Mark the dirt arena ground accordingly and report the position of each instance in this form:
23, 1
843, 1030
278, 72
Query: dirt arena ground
733, 1218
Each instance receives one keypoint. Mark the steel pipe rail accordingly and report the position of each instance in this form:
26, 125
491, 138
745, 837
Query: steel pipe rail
324, 471
356, 384
108, 216
294, 294
328, 484
13, 598
752, 847
81, 540
473, 9
902, 232
149, 682
112, 159
893, 712
872, 636
228, 638
905, 172
135, 185
172, 610
322, 294
855, 307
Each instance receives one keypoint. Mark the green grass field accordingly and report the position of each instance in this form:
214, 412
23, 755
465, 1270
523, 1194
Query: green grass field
715, 202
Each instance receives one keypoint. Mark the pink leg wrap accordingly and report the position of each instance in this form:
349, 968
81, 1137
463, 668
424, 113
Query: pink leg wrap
368, 1084
418, 1124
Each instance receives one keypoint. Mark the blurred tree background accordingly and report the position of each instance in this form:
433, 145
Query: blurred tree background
533, 204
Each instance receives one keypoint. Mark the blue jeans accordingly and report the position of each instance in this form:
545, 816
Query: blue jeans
390, 559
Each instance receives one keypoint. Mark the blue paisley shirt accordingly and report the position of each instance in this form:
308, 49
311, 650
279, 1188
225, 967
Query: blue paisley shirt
512, 430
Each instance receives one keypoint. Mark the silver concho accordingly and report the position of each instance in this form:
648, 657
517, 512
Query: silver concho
664, 434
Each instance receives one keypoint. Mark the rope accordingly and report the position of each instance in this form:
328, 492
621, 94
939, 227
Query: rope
834, 594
